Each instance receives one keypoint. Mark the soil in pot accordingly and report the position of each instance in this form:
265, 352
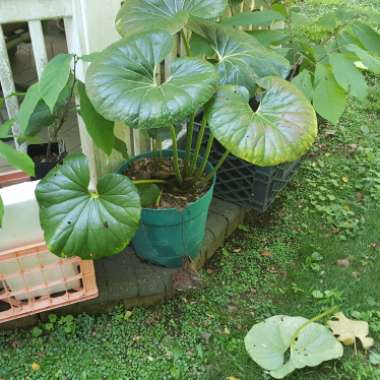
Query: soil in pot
44, 162
173, 229
172, 196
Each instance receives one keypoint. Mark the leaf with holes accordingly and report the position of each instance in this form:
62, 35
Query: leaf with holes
122, 85
242, 60
172, 15
309, 344
18, 160
281, 130
77, 222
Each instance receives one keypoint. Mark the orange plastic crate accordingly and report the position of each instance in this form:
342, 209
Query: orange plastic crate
32, 280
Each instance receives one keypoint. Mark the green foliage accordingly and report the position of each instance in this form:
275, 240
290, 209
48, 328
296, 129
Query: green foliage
35, 115
100, 129
199, 334
78, 222
54, 79
136, 16
5, 129
348, 76
149, 194
263, 18
333, 50
305, 83
247, 134
241, 60
120, 89
329, 99
18, 160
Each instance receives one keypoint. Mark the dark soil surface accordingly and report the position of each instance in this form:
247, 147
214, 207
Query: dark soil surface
173, 195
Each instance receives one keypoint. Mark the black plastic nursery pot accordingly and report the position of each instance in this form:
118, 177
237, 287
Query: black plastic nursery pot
247, 185
167, 236
37, 152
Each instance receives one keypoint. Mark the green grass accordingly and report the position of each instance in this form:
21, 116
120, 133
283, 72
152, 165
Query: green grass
332, 208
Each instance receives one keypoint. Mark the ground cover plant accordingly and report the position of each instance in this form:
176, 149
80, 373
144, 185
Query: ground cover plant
318, 247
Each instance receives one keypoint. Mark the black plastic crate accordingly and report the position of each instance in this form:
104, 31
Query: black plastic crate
248, 185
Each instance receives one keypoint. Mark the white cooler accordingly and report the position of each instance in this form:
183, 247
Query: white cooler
21, 227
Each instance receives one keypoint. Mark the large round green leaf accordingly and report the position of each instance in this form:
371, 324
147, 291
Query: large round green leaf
172, 15
77, 222
122, 86
281, 130
242, 60
268, 341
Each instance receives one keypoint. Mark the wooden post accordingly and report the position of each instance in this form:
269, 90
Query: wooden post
84, 36
8, 86
38, 44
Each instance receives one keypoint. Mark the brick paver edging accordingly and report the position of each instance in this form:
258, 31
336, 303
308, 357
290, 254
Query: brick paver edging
127, 279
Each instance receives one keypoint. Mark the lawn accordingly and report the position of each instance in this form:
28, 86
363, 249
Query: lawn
318, 246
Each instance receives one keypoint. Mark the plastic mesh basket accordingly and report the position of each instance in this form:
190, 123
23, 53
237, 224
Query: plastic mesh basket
248, 185
32, 280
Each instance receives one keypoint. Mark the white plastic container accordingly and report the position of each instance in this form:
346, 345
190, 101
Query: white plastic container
21, 227
21, 222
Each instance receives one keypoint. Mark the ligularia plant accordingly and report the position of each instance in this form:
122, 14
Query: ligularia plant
218, 85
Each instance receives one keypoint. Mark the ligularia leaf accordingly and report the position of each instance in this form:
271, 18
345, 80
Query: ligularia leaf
348, 330
309, 344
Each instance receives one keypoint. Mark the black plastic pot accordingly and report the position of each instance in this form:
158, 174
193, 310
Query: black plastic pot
248, 185
42, 168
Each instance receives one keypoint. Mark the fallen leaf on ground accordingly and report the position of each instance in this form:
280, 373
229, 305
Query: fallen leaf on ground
226, 331
266, 253
232, 378
345, 179
352, 148
347, 330
35, 366
343, 263
206, 337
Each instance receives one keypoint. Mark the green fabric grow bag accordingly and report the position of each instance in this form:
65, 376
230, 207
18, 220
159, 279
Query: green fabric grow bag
166, 236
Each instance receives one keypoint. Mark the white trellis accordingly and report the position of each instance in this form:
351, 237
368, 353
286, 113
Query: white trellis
89, 26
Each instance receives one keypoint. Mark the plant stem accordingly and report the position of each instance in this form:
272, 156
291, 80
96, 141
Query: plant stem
189, 143
186, 43
148, 181
206, 156
198, 144
317, 318
175, 156
289, 21
218, 165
